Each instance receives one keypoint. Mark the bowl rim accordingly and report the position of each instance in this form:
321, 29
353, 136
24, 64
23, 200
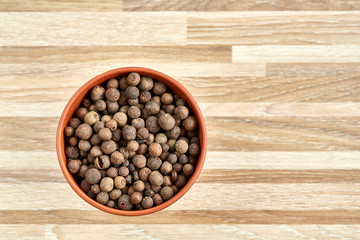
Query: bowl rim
68, 111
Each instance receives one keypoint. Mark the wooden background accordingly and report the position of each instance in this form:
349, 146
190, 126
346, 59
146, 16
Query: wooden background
278, 82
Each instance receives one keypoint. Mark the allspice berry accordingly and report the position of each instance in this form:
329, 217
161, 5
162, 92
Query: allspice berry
138, 123
102, 197
166, 122
181, 112
102, 162
172, 158
123, 171
84, 131
181, 181
112, 83
181, 146
111, 124
123, 83
166, 193
116, 135
154, 163
173, 133
188, 169
72, 152
106, 184
73, 166
117, 158
108, 147
97, 93
147, 202
146, 83
120, 118
152, 107
112, 172
95, 188
166, 168
85, 186
115, 194
152, 124
124, 202
105, 134
91, 118
98, 125
167, 98
132, 92
161, 138
74, 123
120, 182
144, 97
167, 181
69, 131
92, 176
190, 123
112, 94
129, 132
100, 105
159, 88
155, 149
157, 199
96, 151
136, 198
139, 161
139, 186
83, 169
156, 178
144, 174
133, 79
134, 112
194, 149
142, 134
81, 112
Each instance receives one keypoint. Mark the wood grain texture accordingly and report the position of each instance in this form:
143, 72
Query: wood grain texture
278, 82
58, 5
239, 5
274, 28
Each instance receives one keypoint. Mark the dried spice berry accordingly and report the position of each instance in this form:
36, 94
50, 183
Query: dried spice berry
146, 83
69, 131
194, 149
115, 194
157, 199
95, 188
73, 166
134, 112
132, 92
166, 193
166, 168
129, 132
74, 123
155, 149
136, 198
152, 124
84, 131
72, 152
139, 161
123, 171
124, 202
97, 93
138, 123
166, 122
159, 88
100, 105
133, 79
120, 118
190, 123
112, 94
152, 107
156, 178
111, 124
167, 98
112, 172
147, 202
102, 197
144, 174
92, 176
106, 184
144, 97
98, 125
91, 118
181, 146
105, 134
108, 147
120, 182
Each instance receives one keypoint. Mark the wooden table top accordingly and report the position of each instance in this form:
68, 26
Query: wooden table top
277, 80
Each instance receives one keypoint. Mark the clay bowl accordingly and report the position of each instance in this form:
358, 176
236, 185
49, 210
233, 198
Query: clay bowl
75, 102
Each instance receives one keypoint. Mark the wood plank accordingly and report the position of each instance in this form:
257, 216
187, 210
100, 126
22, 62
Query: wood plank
182, 217
239, 196
224, 134
50, 5
315, 70
274, 28
212, 89
90, 28
299, 53
176, 231
76, 54
237, 5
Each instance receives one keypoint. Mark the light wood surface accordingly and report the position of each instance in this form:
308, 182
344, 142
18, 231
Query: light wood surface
278, 82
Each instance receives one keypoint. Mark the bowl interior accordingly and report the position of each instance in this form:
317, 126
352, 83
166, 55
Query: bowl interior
74, 104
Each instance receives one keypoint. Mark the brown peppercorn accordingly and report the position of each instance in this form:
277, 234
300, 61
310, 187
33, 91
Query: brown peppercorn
135, 198
81, 112
167, 181
139, 161
147, 202
123, 171
134, 112
155, 149
105, 134
91, 118
181, 112
181, 181
85, 186
124, 202
108, 147
111, 124
117, 158
102, 162
102, 197
129, 132
74, 123
112, 172
132, 146
84, 131
146, 83
144, 174
133, 102
73, 166
83, 170
173, 133
152, 124
172, 158
167, 98
188, 170
69, 131
106, 184
152, 107
154, 163
92, 176
116, 135
166, 168
98, 125
194, 149
144, 97
142, 149
132, 92
123, 83
115, 194
120, 118
84, 145
169, 109
157, 199
138, 123
112, 94
110, 204
161, 138
112, 107
177, 167
166, 122
95, 188
139, 186
164, 155
156, 178
166, 193
159, 88
95, 140
97, 93
72, 152
100, 105
133, 79
181, 146
142, 133
190, 123
120, 182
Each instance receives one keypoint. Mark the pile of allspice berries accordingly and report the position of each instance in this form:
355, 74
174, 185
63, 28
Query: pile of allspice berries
132, 144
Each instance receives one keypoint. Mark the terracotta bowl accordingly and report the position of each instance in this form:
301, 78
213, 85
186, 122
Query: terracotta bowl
74, 104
